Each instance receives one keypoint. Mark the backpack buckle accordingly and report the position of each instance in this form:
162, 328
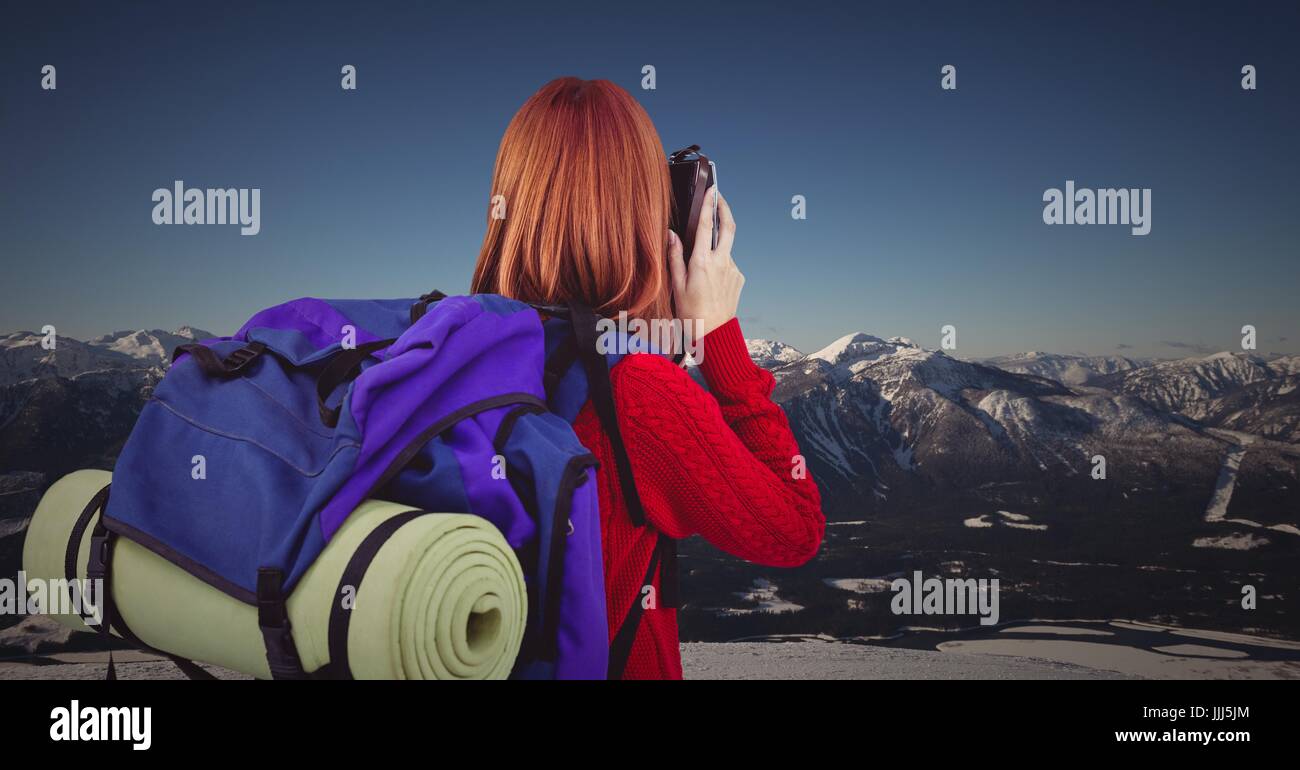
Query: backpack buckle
281, 654
421, 306
238, 360
97, 564
96, 588
277, 634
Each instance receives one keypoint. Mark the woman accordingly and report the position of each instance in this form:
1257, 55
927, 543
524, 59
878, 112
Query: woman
586, 195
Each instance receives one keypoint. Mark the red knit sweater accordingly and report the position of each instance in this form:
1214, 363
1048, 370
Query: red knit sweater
718, 463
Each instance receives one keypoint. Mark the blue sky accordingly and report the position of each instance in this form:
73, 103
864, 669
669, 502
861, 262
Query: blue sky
924, 205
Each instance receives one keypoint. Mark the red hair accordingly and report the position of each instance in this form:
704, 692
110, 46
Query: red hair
586, 202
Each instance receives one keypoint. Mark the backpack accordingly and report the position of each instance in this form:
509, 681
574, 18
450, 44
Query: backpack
316, 405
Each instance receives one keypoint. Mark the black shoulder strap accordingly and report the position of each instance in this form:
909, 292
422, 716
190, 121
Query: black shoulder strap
602, 399
558, 363
99, 568
340, 616
621, 648
97, 503
342, 367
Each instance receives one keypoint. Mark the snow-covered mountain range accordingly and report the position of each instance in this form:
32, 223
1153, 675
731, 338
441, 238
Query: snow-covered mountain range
884, 421
1238, 391
931, 459
1067, 369
23, 356
154, 346
881, 420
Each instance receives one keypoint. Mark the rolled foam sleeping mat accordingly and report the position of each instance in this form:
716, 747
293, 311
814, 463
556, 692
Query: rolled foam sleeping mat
444, 598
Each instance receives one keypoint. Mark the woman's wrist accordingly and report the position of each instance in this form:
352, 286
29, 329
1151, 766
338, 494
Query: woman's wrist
724, 357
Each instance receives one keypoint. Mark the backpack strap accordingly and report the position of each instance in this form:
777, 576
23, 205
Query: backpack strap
601, 392
98, 502
340, 616
233, 364
98, 568
421, 305
558, 363
575, 475
342, 368
277, 633
664, 557
620, 649
272, 614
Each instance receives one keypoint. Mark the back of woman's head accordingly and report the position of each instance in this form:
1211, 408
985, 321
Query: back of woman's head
585, 197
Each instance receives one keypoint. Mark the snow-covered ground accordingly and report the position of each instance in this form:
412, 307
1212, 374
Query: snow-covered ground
734, 660
825, 660
1028, 650
1217, 510
1009, 519
764, 598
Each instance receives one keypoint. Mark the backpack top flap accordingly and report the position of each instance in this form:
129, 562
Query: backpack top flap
468, 357
322, 324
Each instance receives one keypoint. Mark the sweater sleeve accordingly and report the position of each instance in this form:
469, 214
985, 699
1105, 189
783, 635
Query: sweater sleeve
722, 464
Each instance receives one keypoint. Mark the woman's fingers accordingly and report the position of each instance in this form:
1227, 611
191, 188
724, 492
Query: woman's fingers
726, 226
676, 265
704, 230
710, 291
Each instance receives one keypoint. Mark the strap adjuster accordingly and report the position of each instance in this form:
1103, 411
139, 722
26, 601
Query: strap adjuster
277, 634
96, 587
421, 305
281, 654
241, 358
97, 565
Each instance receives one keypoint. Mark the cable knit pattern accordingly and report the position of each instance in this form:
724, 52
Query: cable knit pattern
717, 463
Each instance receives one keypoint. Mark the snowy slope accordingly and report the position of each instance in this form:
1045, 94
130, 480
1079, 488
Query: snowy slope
1067, 369
153, 347
1238, 391
881, 419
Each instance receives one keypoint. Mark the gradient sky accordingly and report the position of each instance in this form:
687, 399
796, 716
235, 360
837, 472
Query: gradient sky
924, 205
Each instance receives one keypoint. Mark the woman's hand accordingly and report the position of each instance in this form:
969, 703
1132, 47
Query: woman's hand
708, 291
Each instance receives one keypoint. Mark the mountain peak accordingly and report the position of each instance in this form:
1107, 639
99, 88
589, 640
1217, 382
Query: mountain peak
857, 346
770, 353
191, 333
